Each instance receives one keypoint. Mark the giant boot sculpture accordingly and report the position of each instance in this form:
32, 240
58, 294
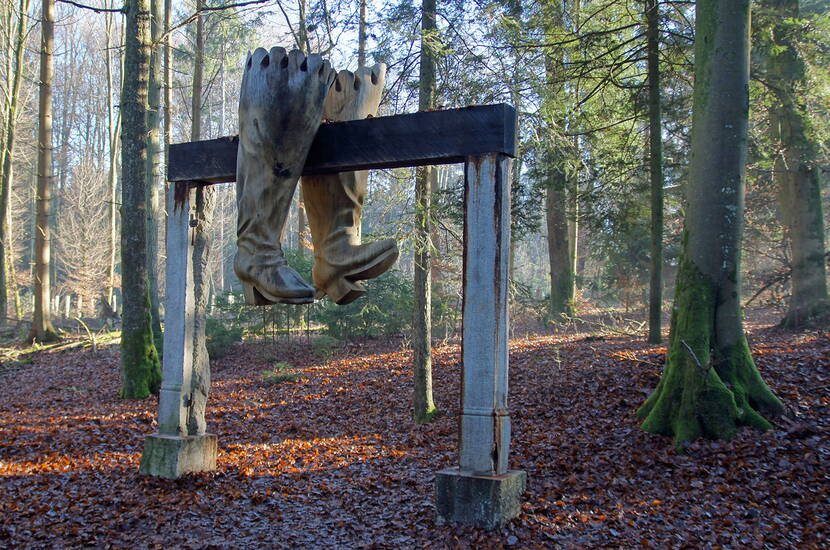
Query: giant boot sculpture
280, 109
334, 202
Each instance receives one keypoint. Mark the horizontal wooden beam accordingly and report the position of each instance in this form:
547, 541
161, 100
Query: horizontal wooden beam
417, 139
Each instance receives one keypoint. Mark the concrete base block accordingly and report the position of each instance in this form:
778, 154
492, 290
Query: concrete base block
483, 501
171, 456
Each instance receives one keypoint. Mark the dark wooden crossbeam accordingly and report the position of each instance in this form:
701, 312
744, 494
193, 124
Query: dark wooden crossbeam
417, 139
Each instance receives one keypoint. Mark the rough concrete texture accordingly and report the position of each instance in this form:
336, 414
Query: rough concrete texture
482, 501
172, 456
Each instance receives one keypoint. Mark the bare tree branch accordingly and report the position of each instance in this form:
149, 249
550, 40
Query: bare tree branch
92, 8
192, 17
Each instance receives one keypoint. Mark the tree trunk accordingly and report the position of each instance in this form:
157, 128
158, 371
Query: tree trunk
198, 68
153, 165
710, 385
424, 406
361, 36
573, 224
556, 204
168, 110
200, 377
7, 255
796, 170
655, 132
140, 369
514, 7
303, 241
42, 329
561, 276
113, 122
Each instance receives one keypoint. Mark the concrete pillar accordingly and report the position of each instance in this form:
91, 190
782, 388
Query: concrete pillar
80, 304
67, 304
174, 451
481, 491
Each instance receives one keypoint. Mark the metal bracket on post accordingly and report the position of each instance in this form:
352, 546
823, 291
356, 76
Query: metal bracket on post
172, 452
482, 491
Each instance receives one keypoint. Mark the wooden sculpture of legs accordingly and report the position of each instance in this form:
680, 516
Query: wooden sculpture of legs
280, 109
334, 202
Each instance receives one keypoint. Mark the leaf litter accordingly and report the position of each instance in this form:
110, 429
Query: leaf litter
333, 460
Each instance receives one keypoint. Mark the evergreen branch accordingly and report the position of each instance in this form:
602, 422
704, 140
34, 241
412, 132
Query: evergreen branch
580, 37
591, 131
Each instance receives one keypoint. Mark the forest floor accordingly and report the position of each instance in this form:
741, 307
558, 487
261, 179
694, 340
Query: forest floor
332, 460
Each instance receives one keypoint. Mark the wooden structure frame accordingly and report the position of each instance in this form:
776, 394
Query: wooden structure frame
480, 490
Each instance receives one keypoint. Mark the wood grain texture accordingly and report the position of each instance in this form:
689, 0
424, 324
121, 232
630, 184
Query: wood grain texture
417, 139
485, 424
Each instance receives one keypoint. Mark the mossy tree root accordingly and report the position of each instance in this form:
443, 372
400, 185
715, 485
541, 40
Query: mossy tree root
705, 392
807, 315
140, 365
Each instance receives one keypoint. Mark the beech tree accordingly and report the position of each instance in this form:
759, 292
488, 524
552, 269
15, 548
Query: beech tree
42, 329
140, 366
795, 171
710, 385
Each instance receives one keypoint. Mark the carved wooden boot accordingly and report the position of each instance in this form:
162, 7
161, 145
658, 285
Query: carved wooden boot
334, 202
280, 109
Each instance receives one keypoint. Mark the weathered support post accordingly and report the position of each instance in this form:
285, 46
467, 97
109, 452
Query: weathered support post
175, 450
481, 491
67, 305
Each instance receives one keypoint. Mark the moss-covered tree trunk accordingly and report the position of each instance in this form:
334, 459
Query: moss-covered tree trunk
796, 170
710, 385
140, 368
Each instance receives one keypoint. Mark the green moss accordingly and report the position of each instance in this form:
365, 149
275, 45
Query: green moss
140, 365
427, 416
280, 373
561, 299
705, 393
